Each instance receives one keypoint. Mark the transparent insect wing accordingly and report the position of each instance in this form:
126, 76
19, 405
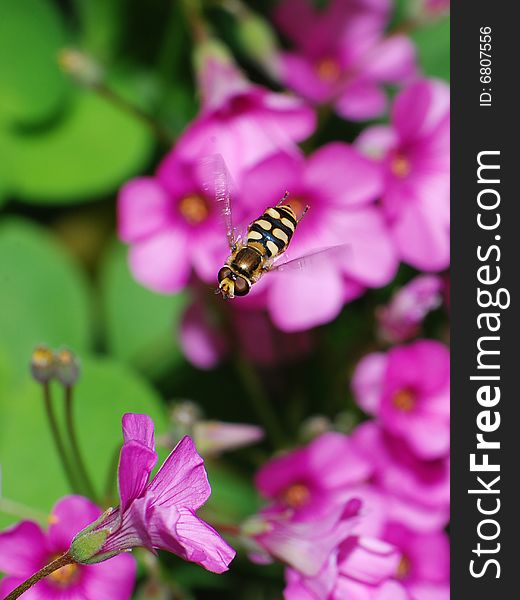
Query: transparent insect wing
218, 184
313, 260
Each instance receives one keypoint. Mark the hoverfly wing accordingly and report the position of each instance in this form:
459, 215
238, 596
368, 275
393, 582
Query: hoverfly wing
314, 259
217, 183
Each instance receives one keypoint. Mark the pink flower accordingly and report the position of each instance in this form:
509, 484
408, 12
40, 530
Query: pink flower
173, 226
26, 548
416, 492
206, 340
342, 55
239, 120
414, 157
300, 544
401, 318
359, 568
340, 186
424, 568
408, 390
314, 480
159, 514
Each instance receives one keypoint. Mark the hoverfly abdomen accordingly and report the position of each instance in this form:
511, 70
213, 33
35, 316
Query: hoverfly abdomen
272, 232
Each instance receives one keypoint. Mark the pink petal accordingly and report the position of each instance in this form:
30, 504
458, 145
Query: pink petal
376, 141
182, 480
40, 591
367, 381
429, 437
373, 261
138, 428
361, 100
299, 74
202, 544
201, 339
420, 109
392, 60
144, 208
136, 462
23, 549
111, 580
313, 302
161, 262
420, 242
368, 560
295, 18
68, 517
341, 173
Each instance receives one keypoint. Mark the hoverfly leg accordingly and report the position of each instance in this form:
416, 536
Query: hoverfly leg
304, 212
283, 199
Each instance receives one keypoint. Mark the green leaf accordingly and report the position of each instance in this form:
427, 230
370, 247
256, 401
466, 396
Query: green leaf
31, 86
140, 325
43, 295
433, 47
89, 152
31, 469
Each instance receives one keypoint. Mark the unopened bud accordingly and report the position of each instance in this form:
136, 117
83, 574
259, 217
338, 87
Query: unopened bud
258, 40
81, 67
67, 367
42, 364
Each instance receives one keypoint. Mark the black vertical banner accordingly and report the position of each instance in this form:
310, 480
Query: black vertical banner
485, 174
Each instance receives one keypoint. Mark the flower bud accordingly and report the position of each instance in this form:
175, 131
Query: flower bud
67, 367
258, 40
42, 364
86, 545
81, 67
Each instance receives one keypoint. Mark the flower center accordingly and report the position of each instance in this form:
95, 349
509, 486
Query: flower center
194, 208
65, 576
297, 495
42, 356
400, 166
404, 400
403, 568
328, 70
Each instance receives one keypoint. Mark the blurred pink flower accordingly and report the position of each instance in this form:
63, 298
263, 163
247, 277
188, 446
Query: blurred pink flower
241, 121
312, 481
436, 7
342, 55
341, 187
401, 318
25, 549
408, 390
361, 567
160, 513
300, 544
173, 225
417, 492
424, 568
414, 156
206, 341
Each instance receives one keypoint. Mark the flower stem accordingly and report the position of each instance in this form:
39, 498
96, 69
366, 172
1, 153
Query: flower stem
56, 564
118, 101
261, 404
73, 438
58, 441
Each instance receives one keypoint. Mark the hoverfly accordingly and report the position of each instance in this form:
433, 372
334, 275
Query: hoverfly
267, 238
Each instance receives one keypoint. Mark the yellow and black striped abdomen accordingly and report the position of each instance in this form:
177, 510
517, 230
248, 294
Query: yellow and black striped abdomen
273, 231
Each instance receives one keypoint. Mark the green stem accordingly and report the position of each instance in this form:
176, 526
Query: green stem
76, 452
56, 564
20, 511
261, 404
58, 441
118, 101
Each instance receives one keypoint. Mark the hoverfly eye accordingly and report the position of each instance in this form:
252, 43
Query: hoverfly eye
223, 273
241, 286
